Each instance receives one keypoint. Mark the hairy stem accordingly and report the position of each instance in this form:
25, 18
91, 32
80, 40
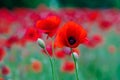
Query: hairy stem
52, 65
76, 67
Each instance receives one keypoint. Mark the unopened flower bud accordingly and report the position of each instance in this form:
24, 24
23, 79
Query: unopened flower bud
76, 55
41, 43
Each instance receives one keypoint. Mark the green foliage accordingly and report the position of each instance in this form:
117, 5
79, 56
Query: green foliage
89, 3
63, 3
22, 3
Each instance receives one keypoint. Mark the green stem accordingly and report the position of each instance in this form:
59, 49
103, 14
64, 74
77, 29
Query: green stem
76, 67
55, 74
52, 65
54, 59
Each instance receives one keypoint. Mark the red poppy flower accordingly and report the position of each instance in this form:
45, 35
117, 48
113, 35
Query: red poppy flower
1, 79
6, 20
4, 27
92, 16
32, 34
112, 49
2, 41
49, 25
36, 66
105, 25
68, 66
70, 35
60, 54
94, 41
2, 53
10, 41
34, 16
5, 70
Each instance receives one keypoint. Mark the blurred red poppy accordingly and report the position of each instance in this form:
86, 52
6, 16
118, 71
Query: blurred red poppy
105, 25
11, 40
5, 70
93, 15
70, 35
2, 53
2, 41
60, 54
68, 66
32, 34
111, 49
36, 66
49, 25
1, 79
94, 41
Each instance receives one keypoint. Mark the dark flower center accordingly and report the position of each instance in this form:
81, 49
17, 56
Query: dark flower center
71, 40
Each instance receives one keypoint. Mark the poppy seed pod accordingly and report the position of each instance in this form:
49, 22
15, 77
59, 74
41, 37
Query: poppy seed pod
41, 43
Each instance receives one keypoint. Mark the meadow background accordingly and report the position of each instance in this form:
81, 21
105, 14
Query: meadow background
99, 59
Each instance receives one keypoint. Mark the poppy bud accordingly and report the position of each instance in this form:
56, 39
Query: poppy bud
41, 43
75, 54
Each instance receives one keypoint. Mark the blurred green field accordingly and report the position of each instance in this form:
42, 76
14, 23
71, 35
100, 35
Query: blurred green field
94, 64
